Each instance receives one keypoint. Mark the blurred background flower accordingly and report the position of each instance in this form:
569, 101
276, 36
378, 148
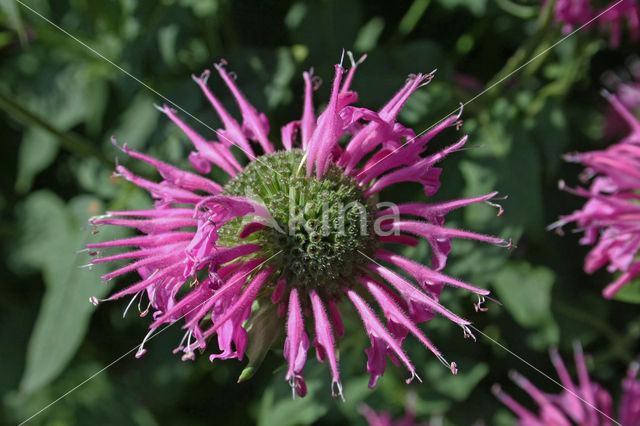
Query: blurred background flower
612, 17
624, 83
383, 418
582, 403
610, 218
60, 104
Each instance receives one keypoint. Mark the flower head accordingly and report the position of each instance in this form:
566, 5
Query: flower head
584, 403
294, 233
612, 17
383, 418
610, 218
626, 86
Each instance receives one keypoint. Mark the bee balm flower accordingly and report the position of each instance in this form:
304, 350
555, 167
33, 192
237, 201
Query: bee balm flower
294, 234
626, 86
610, 218
611, 17
383, 418
583, 403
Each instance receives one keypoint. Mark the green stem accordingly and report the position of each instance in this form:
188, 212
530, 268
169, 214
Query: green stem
619, 345
69, 141
413, 15
518, 10
559, 88
525, 52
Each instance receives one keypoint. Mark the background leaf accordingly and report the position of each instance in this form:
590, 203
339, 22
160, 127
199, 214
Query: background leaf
525, 292
38, 150
53, 232
290, 412
629, 293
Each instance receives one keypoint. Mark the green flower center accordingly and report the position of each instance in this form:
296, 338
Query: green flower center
319, 228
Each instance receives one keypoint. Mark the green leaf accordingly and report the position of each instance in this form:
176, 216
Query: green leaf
37, 151
551, 134
137, 122
629, 293
525, 292
412, 16
264, 327
369, 34
289, 412
479, 179
167, 37
477, 7
10, 12
52, 234
296, 14
459, 386
67, 103
509, 162
313, 24
278, 91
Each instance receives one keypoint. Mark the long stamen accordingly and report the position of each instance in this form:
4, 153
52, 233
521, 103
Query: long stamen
124, 314
141, 350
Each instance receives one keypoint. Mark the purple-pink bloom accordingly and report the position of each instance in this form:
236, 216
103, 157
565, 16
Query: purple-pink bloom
610, 219
611, 17
572, 13
584, 403
627, 90
294, 234
383, 418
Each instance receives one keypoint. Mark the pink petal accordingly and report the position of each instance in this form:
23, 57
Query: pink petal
324, 342
232, 128
381, 342
296, 344
254, 123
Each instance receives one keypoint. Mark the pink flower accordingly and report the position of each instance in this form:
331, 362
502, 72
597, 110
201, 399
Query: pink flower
294, 233
383, 418
610, 218
573, 13
627, 90
584, 403
615, 14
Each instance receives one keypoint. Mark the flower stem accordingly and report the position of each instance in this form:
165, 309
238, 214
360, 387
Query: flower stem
413, 15
526, 51
619, 344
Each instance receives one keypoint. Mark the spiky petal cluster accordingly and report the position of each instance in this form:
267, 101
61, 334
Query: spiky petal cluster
383, 418
610, 218
615, 15
584, 403
243, 289
626, 87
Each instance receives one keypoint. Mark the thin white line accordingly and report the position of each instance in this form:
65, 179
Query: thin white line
544, 374
100, 55
493, 85
86, 380
515, 355
130, 351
